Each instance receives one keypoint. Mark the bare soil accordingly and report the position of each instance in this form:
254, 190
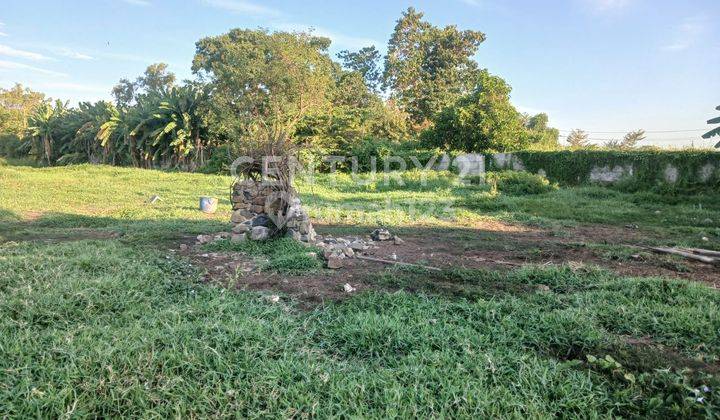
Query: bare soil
495, 246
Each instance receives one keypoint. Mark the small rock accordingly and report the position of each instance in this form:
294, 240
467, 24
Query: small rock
274, 298
707, 221
705, 238
349, 252
397, 240
632, 226
381, 235
348, 288
335, 262
543, 288
357, 245
261, 220
236, 238
657, 212
259, 233
393, 256
240, 228
183, 247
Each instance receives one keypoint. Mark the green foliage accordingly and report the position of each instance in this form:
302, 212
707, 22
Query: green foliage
366, 63
263, 83
715, 131
284, 255
577, 139
428, 68
482, 121
519, 183
574, 167
17, 104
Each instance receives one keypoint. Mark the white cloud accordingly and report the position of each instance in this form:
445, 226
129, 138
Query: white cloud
13, 52
338, 39
472, 2
608, 5
11, 65
138, 2
3, 34
67, 52
687, 34
243, 7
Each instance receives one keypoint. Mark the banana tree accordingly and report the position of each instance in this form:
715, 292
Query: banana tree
715, 131
42, 125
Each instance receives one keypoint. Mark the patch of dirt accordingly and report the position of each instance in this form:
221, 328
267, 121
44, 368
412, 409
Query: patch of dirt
491, 248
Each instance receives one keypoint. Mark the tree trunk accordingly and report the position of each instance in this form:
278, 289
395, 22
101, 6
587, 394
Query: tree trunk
47, 145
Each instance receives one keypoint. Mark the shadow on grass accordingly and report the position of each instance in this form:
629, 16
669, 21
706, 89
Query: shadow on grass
68, 227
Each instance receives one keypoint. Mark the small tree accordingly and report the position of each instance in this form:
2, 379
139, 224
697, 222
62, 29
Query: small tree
715, 131
577, 139
632, 138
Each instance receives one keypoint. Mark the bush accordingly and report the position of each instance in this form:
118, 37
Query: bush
10, 146
519, 183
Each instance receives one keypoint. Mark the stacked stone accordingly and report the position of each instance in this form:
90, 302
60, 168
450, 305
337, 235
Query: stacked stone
298, 222
255, 213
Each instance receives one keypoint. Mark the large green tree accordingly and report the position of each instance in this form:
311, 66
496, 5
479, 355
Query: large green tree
263, 84
428, 68
484, 120
366, 62
17, 104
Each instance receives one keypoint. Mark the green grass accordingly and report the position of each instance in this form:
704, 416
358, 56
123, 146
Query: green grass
121, 327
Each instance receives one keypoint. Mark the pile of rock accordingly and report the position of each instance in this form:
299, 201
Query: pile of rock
337, 250
262, 210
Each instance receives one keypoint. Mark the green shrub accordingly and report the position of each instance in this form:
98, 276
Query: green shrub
519, 183
10, 145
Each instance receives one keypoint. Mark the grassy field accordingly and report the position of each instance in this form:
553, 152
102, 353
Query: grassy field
98, 317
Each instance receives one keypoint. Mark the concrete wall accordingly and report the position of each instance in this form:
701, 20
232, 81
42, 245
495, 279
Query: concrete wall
475, 163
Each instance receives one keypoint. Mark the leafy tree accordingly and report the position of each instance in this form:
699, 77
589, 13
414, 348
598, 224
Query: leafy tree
540, 135
428, 68
263, 84
366, 62
631, 139
16, 106
715, 131
124, 92
485, 120
155, 80
577, 139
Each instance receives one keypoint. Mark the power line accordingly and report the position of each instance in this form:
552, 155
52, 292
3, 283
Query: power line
646, 131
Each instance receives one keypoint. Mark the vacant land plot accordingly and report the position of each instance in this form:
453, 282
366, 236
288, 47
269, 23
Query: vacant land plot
544, 305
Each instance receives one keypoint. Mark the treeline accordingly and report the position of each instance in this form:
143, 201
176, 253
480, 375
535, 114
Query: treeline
255, 86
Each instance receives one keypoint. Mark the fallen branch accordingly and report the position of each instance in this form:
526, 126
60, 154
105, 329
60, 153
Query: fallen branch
380, 260
702, 251
688, 255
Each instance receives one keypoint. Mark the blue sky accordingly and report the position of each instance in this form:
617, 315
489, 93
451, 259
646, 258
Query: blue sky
605, 66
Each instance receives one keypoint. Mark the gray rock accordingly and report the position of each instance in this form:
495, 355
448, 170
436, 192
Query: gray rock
349, 252
238, 237
397, 240
259, 233
240, 228
261, 220
335, 263
381, 235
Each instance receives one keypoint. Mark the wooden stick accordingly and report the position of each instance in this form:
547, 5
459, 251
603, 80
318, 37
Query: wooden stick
380, 260
688, 255
703, 251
